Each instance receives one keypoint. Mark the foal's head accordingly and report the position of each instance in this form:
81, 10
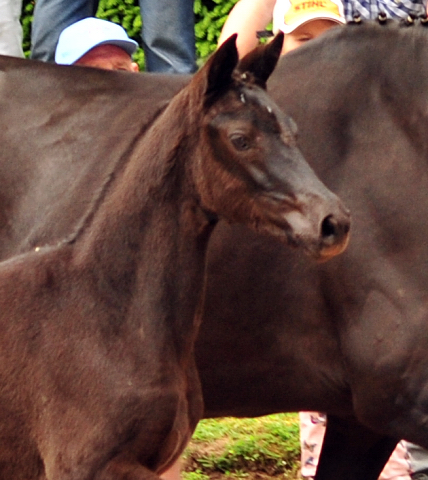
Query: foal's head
249, 169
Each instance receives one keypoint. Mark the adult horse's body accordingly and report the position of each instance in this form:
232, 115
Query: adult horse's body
98, 320
348, 337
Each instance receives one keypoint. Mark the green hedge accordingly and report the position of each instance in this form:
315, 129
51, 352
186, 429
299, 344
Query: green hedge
210, 16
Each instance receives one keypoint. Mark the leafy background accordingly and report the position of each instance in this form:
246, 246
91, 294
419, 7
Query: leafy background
210, 16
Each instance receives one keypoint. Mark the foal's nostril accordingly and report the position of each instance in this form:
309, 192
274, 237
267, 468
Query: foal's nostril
328, 227
333, 230
334, 234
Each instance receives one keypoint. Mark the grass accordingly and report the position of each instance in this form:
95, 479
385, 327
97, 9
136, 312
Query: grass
251, 448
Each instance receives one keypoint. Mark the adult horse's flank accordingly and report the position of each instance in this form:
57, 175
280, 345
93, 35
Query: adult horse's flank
97, 375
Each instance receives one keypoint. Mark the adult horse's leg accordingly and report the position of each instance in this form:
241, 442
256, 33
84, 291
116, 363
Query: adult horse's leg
363, 453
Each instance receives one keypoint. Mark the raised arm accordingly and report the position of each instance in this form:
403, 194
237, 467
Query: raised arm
246, 18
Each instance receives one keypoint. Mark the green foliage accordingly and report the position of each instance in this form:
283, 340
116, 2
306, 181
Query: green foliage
234, 446
26, 19
210, 16
124, 12
196, 475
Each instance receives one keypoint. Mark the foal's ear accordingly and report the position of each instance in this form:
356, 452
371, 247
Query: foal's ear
220, 67
262, 61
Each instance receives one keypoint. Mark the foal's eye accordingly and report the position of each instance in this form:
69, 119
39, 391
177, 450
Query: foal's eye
240, 142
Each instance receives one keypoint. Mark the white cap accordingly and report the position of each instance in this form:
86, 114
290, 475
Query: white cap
84, 35
290, 14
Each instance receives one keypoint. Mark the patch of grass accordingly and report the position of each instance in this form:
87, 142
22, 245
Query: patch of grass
242, 448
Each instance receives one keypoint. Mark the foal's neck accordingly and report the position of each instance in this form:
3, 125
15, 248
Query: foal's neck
147, 240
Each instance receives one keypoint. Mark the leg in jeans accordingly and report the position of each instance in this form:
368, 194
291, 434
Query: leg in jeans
50, 19
10, 28
312, 429
168, 35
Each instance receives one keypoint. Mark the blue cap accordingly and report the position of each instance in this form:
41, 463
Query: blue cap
86, 34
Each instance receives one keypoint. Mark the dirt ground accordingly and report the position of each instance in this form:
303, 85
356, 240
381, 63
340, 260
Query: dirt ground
243, 470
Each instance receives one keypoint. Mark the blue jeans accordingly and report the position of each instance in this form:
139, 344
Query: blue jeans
168, 31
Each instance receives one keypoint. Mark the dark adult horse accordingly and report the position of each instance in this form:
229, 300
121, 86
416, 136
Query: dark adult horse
348, 337
97, 374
